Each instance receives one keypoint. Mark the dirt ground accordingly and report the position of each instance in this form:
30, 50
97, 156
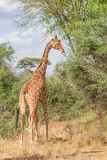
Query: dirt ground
66, 141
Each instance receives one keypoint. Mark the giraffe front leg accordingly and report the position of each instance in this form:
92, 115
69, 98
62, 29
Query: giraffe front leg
46, 121
36, 124
44, 104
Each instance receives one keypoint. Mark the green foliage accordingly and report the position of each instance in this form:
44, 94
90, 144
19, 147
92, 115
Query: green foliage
32, 60
7, 129
64, 100
7, 79
60, 16
6, 76
87, 68
6, 52
28, 59
24, 76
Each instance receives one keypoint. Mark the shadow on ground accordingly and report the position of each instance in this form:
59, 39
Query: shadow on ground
34, 157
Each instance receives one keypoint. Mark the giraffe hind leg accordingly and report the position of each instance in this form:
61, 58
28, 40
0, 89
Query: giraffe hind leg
23, 112
33, 118
31, 127
36, 124
23, 106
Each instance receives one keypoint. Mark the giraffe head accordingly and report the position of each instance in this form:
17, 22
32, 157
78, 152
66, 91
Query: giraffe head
55, 43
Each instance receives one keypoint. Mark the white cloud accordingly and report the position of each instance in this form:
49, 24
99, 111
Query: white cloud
30, 32
17, 39
8, 5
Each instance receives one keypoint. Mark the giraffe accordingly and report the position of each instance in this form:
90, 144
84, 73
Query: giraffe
34, 92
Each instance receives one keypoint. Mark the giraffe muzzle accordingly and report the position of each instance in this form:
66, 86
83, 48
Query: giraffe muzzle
62, 50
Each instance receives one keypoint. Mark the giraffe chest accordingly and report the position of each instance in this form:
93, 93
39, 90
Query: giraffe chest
34, 93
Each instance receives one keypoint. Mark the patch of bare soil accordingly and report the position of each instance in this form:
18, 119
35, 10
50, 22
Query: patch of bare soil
67, 140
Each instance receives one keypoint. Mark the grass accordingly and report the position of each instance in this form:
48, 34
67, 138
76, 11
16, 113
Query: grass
67, 140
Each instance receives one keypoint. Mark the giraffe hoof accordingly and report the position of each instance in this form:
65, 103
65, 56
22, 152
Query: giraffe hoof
36, 140
46, 141
32, 142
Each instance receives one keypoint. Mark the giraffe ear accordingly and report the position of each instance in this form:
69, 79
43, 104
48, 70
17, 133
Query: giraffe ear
55, 38
58, 41
52, 39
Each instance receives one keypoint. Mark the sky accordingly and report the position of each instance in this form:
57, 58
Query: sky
26, 42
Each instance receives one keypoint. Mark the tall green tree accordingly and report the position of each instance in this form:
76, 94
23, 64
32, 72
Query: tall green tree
55, 15
88, 67
6, 76
58, 15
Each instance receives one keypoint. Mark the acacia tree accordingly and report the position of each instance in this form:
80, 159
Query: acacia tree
28, 63
82, 23
57, 15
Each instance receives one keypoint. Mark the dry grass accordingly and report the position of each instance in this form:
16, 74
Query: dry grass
67, 140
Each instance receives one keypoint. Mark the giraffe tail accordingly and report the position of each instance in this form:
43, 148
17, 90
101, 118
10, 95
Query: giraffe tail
17, 116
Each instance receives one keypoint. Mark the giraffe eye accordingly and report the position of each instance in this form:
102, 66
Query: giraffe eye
58, 44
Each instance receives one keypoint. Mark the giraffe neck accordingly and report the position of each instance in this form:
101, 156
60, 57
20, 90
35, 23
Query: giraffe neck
43, 64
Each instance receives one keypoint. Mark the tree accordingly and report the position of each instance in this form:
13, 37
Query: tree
6, 76
58, 16
6, 52
88, 68
27, 63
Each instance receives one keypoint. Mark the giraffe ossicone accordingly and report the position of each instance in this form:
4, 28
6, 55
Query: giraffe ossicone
34, 92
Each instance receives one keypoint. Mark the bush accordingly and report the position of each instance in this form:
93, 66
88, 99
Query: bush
7, 129
64, 102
